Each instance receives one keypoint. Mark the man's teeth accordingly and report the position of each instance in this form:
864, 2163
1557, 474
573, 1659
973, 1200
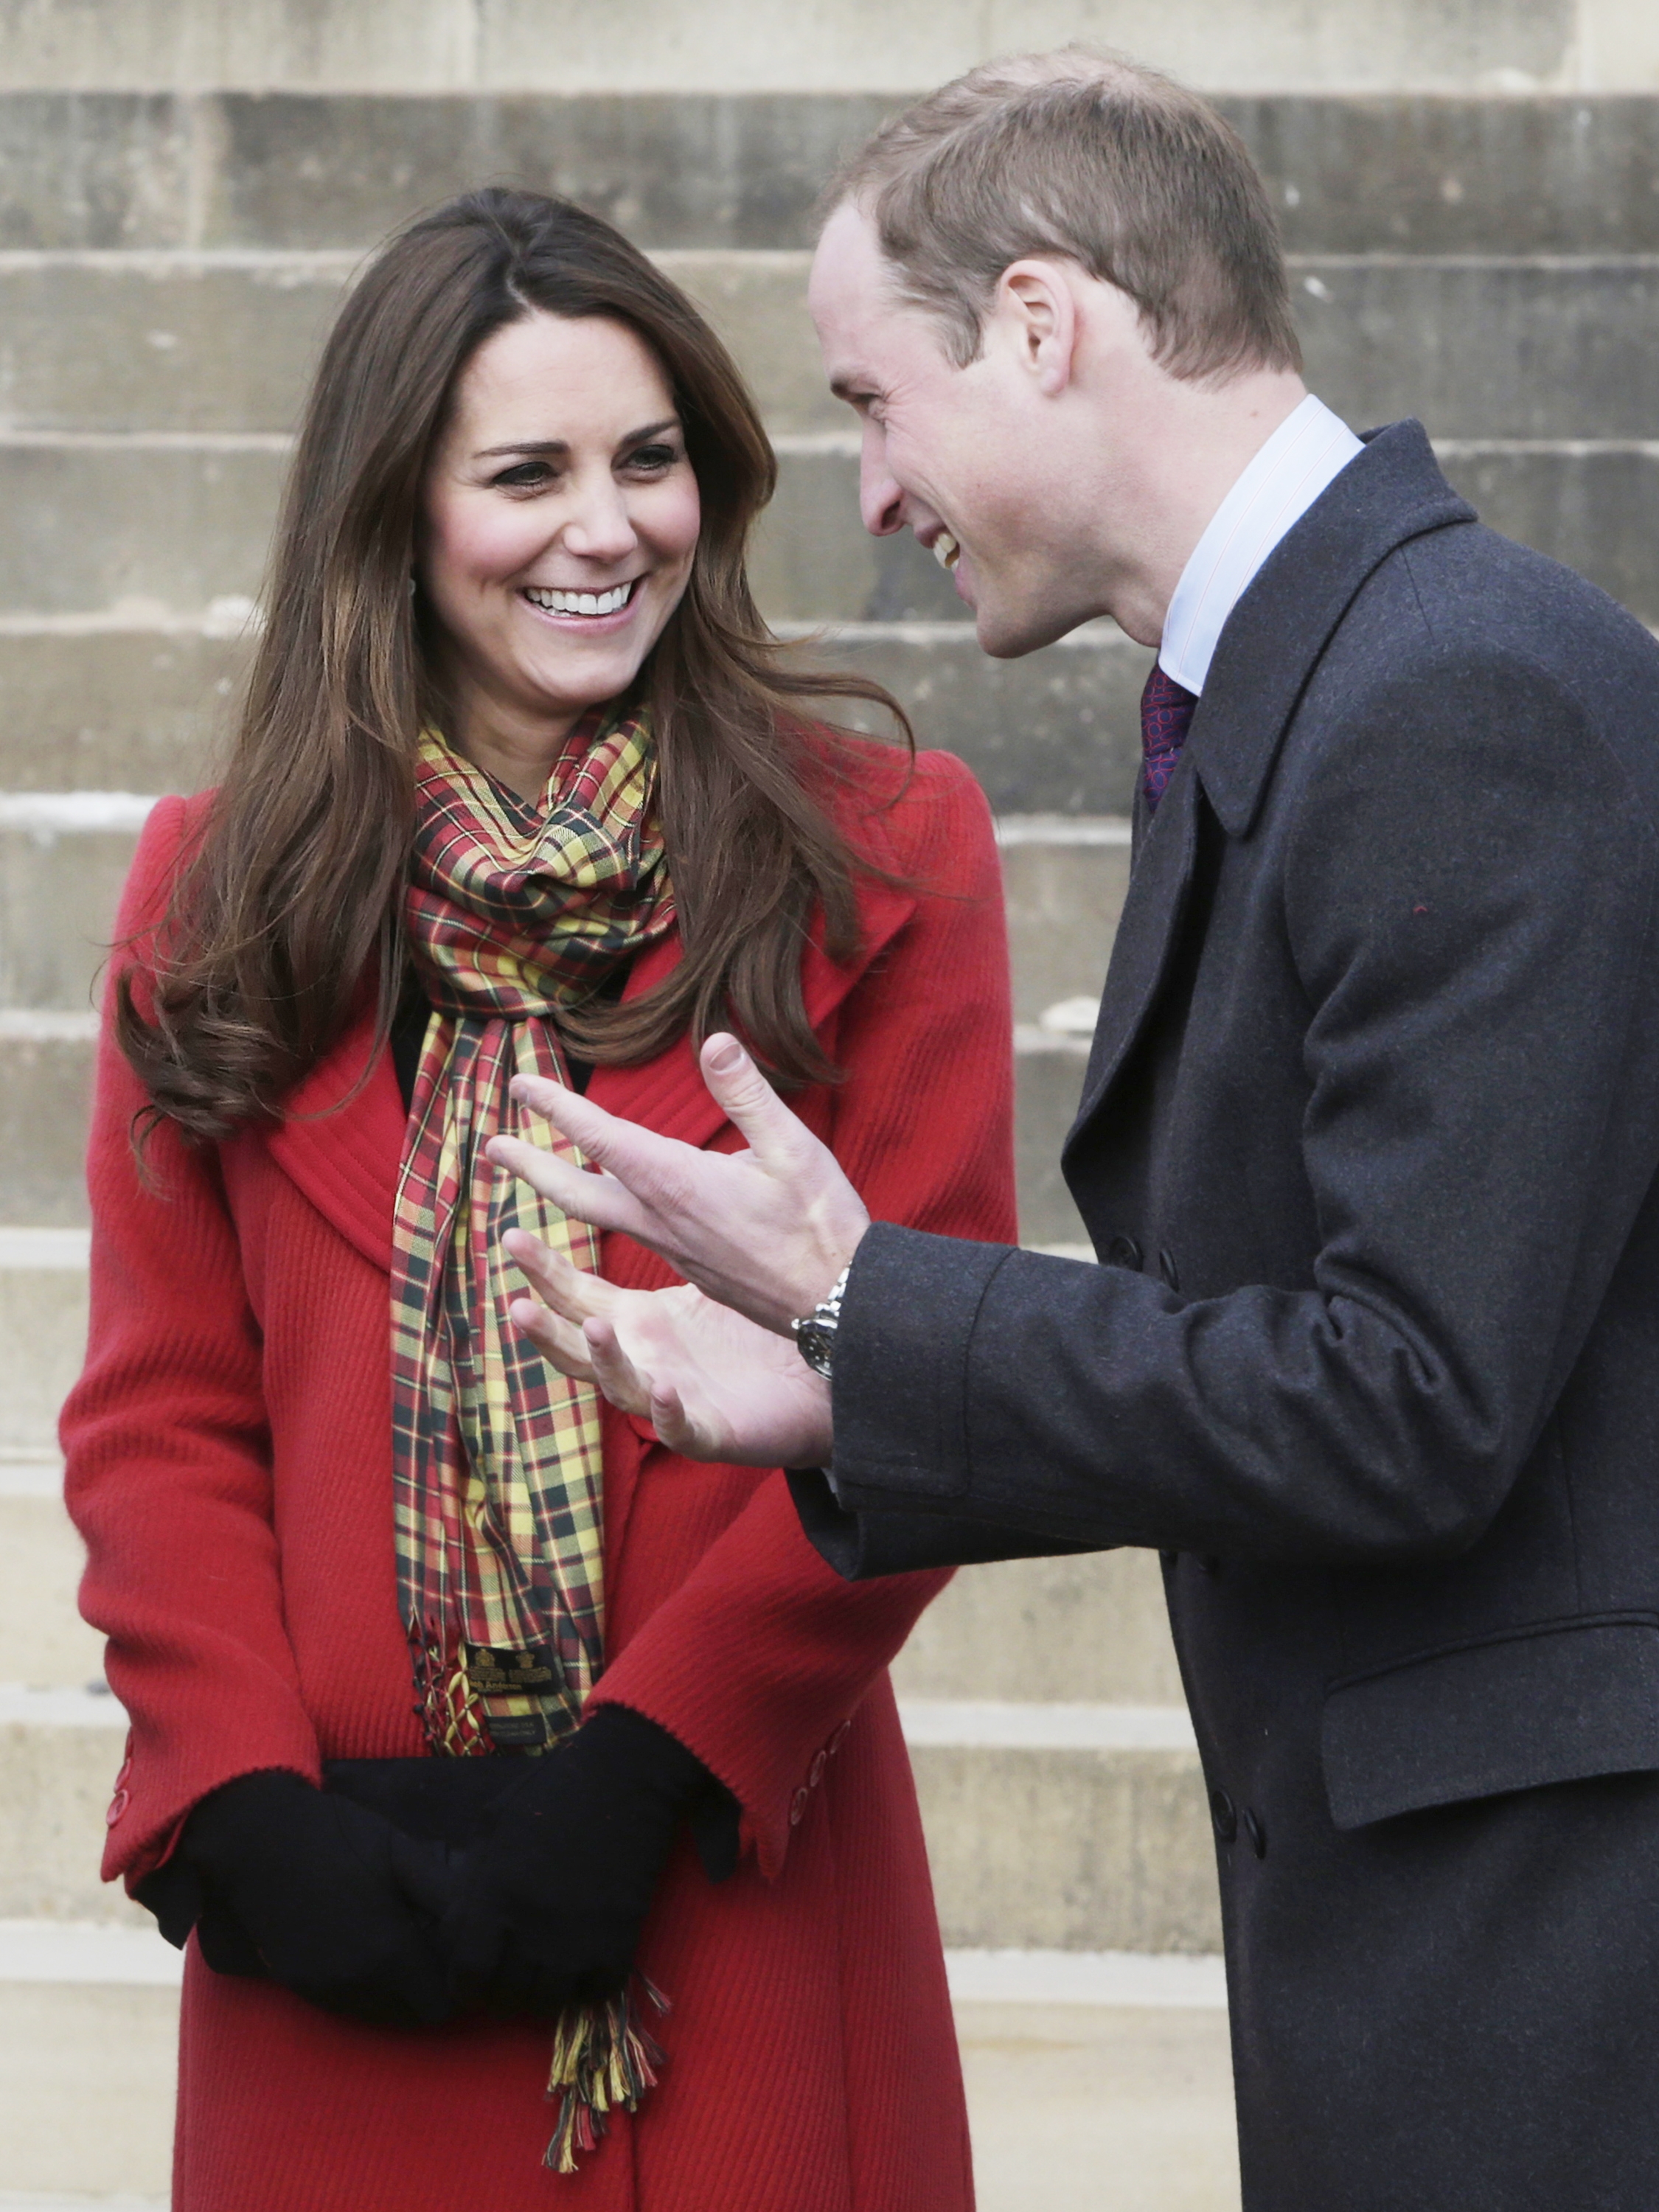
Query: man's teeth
946, 551
580, 603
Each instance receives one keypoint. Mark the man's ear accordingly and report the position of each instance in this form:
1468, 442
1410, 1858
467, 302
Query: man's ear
1036, 311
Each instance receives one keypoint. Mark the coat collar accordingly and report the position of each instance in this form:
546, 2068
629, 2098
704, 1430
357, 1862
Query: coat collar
1387, 494
340, 1141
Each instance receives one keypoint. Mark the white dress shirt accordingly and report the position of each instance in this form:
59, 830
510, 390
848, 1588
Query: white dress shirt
1309, 447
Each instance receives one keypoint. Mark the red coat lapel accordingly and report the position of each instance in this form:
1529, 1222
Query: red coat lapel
345, 1156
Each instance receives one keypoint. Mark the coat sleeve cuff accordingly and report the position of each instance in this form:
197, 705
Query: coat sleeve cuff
899, 1391
861, 1545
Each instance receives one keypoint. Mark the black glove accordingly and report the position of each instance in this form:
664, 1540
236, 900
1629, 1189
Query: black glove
552, 1900
442, 1801
322, 1895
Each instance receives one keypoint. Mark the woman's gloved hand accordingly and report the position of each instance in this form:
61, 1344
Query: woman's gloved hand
322, 1895
552, 1899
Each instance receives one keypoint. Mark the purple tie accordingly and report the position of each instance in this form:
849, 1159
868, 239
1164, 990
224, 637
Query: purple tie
1166, 710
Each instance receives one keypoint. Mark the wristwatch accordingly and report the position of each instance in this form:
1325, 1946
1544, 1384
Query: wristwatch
815, 1332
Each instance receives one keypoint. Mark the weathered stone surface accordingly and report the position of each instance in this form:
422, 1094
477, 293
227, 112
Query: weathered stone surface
1078, 1851
56, 2039
138, 709
44, 1642
1553, 173
1090, 1628
43, 1342
45, 1085
57, 901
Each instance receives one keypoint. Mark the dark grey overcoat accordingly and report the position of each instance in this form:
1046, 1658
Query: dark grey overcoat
1368, 1148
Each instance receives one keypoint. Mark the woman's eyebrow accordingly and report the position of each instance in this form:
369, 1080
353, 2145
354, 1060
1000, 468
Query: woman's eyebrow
563, 445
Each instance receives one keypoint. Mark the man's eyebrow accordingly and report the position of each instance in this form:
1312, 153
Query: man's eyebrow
539, 446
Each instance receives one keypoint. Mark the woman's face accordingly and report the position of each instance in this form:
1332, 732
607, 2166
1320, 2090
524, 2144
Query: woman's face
560, 517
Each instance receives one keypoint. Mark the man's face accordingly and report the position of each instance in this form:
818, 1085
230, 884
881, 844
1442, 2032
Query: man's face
960, 456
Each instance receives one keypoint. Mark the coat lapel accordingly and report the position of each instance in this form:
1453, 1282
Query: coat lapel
1150, 921
341, 1140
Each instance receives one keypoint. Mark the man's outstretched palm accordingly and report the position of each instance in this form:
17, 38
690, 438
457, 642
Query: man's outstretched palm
713, 1384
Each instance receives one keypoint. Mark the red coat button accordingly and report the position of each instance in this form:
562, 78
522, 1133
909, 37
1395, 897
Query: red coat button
798, 1807
118, 1805
839, 1737
815, 1772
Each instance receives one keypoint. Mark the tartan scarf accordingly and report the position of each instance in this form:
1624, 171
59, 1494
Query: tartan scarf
512, 910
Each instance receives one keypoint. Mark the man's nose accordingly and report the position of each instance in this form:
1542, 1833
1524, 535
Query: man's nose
599, 527
881, 501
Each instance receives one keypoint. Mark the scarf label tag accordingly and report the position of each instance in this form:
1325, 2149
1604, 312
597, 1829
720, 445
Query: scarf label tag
494, 1670
517, 1731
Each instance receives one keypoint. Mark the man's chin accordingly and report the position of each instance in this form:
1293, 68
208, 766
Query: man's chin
1007, 633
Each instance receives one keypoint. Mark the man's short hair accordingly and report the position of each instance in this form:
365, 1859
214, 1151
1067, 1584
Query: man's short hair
1092, 157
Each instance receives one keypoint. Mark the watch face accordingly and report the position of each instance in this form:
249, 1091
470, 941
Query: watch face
815, 1344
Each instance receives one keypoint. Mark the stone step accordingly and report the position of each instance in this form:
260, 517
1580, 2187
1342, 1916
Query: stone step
1069, 1827
130, 703
43, 1337
64, 856
1084, 2072
184, 521
690, 167
88, 2065
44, 1642
1480, 347
1092, 1629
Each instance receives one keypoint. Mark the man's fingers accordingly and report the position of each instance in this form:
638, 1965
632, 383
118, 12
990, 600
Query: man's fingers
595, 1198
740, 1091
559, 1340
614, 1371
566, 1289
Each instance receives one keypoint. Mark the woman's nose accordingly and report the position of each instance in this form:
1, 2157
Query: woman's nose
599, 527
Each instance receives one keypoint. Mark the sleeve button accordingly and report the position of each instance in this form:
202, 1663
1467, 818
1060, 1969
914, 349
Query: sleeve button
118, 1805
815, 1772
798, 1807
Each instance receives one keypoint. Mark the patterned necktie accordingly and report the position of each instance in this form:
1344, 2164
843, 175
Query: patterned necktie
1166, 711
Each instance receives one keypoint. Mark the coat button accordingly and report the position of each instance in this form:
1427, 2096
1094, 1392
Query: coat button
1225, 1813
1166, 1267
1123, 1252
796, 1809
1256, 1832
118, 1805
815, 1772
839, 1738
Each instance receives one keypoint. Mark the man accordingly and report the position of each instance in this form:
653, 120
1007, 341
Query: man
1367, 1148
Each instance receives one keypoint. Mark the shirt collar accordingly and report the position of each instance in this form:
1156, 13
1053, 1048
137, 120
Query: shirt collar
1309, 447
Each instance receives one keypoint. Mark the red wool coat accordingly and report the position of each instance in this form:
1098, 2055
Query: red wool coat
229, 1466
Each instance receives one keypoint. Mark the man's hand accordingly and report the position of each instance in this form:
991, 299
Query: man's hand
711, 1384
765, 1231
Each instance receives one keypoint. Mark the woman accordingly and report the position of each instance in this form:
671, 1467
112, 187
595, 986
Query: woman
520, 788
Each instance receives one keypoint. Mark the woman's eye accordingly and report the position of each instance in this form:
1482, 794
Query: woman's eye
653, 459
524, 475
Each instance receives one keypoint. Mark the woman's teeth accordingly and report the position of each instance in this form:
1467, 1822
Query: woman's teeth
582, 603
946, 551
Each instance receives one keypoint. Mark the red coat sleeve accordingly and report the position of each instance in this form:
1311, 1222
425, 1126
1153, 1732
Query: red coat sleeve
763, 1651
167, 1463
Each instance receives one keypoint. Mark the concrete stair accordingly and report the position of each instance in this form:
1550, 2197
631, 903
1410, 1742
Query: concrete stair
168, 258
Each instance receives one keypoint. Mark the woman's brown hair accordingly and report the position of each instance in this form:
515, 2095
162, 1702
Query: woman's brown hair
290, 904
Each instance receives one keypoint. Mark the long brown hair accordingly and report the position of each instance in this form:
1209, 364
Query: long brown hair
290, 904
